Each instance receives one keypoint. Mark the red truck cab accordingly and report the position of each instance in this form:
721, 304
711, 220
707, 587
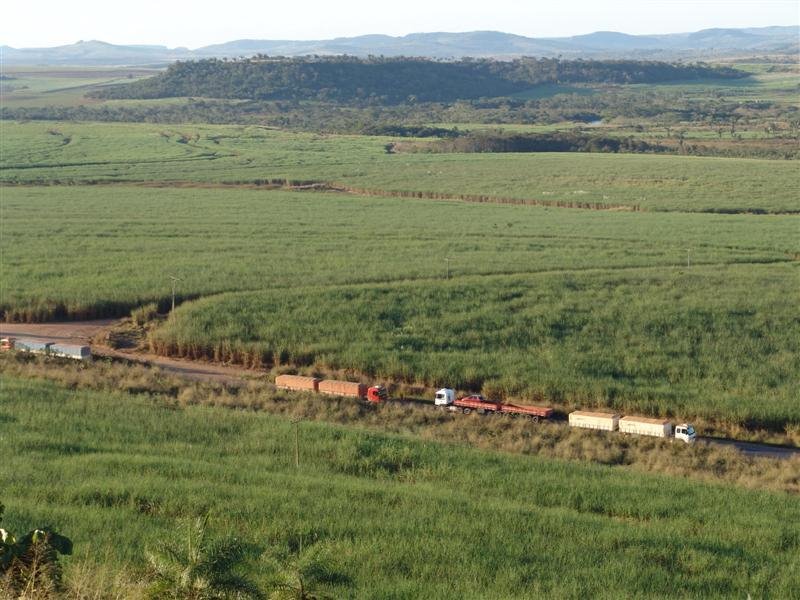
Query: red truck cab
377, 394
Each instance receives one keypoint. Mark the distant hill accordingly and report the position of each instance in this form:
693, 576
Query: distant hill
612, 40
92, 53
480, 44
384, 80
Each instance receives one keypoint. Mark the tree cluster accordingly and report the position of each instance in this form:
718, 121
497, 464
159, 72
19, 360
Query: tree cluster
581, 141
546, 142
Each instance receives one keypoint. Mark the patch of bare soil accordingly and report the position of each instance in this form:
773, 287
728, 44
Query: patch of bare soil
120, 339
76, 332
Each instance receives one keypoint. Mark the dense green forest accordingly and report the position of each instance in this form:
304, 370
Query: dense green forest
381, 80
578, 141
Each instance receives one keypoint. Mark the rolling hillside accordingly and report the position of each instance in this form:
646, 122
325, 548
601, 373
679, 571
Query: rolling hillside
393, 80
484, 44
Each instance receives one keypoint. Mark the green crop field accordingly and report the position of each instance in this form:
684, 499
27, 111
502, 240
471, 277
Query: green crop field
570, 306
696, 346
85, 245
653, 284
90, 152
780, 86
42, 86
394, 516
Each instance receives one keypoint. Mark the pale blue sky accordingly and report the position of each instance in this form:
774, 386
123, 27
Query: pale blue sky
201, 22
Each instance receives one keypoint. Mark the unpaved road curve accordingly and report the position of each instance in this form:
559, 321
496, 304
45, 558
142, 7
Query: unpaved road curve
82, 332
194, 370
755, 449
75, 332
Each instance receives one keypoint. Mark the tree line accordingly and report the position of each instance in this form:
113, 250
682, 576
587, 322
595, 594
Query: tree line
544, 142
579, 141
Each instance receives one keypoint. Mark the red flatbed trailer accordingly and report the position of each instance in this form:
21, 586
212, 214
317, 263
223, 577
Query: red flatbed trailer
479, 403
482, 405
532, 412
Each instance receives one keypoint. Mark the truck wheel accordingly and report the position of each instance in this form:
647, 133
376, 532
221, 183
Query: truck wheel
535, 418
466, 411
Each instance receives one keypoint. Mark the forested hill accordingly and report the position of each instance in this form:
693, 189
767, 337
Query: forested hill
393, 80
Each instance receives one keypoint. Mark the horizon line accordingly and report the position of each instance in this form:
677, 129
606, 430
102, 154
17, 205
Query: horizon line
350, 37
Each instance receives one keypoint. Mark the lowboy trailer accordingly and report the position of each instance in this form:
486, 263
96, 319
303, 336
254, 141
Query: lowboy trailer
446, 398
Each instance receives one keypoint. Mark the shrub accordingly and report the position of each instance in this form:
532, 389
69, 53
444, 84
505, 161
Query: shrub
144, 314
29, 566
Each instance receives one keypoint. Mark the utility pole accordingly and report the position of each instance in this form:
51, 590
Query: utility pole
688, 258
175, 280
447, 262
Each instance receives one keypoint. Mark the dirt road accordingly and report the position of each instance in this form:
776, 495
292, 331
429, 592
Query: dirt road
82, 332
755, 449
189, 369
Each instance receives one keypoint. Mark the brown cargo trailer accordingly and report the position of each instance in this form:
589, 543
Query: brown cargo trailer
343, 388
594, 420
297, 382
645, 426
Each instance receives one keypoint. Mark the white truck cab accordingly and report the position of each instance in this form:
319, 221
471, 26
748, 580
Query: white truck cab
685, 432
444, 397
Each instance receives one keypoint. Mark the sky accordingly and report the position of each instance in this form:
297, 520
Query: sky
39, 23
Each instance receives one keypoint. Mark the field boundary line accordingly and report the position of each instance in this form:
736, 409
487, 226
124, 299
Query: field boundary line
324, 186
268, 184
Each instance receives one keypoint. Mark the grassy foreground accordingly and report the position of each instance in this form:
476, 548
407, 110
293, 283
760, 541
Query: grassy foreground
402, 517
53, 152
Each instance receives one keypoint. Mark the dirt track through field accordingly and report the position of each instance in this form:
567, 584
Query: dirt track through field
189, 369
83, 332
332, 187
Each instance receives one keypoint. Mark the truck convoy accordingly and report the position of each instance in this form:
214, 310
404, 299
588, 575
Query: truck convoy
631, 424
447, 399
